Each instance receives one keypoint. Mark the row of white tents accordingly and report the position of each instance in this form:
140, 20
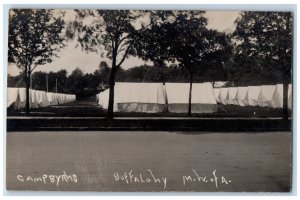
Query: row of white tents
174, 97
263, 96
16, 98
156, 97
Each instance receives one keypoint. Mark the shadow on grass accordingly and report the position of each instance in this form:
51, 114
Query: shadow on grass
223, 111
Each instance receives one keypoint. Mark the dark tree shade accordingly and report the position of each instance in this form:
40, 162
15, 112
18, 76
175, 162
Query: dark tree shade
264, 49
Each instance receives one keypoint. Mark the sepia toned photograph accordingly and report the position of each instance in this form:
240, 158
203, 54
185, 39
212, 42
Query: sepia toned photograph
149, 100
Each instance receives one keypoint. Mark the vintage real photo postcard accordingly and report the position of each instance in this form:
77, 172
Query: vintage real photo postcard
149, 100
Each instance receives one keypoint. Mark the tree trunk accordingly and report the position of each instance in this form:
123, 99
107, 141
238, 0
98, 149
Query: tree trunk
286, 77
110, 113
190, 95
27, 102
285, 101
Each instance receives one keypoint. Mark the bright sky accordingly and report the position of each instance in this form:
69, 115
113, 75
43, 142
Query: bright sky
71, 57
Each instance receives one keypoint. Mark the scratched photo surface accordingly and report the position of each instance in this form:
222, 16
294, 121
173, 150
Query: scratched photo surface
149, 100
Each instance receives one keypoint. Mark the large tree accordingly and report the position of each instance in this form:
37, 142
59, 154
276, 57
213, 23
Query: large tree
264, 48
113, 31
102, 75
34, 38
184, 39
75, 82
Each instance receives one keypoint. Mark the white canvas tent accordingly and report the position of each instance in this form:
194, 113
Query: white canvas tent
103, 98
42, 98
278, 96
223, 96
231, 96
140, 97
66, 98
253, 93
135, 97
70, 98
56, 97
290, 98
51, 98
33, 99
12, 97
60, 98
97, 96
216, 93
21, 99
16, 98
219, 84
265, 98
241, 96
203, 99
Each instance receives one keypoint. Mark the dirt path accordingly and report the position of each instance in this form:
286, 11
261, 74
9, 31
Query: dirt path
100, 160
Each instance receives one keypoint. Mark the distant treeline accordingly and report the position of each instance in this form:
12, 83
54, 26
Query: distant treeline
91, 83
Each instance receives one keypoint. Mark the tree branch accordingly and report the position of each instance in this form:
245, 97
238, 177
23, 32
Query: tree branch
120, 50
125, 55
34, 67
131, 42
121, 40
20, 66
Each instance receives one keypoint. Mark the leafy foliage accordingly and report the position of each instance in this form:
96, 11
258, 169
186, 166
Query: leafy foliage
184, 39
112, 30
263, 48
34, 37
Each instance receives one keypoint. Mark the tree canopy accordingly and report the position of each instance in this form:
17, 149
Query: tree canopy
184, 39
35, 35
264, 50
263, 47
112, 30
